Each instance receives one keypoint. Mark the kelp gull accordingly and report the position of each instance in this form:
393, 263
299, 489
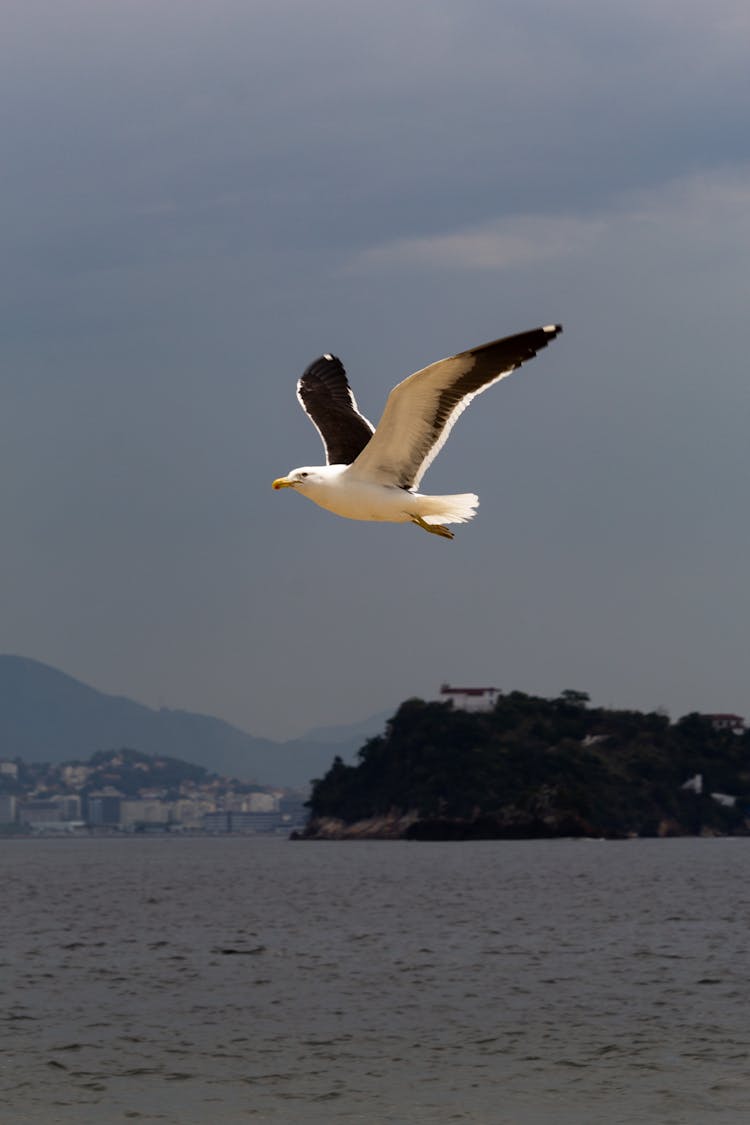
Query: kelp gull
373, 474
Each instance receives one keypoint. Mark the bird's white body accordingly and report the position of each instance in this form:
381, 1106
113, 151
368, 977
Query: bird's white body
339, 490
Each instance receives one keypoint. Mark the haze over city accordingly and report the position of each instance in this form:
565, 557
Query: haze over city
200, 199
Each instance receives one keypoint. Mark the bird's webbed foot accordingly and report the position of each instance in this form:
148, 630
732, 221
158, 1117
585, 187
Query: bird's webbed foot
433, 528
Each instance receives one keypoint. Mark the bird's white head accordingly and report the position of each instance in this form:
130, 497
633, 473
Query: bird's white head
307, 478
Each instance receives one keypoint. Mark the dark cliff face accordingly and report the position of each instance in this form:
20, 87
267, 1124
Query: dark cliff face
535, 768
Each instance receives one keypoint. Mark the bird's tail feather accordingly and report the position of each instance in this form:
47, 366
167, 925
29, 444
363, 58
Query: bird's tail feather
448, 509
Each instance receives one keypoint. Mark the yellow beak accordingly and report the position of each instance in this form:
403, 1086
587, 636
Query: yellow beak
283, 482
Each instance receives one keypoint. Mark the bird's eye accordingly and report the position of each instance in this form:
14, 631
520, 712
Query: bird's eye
304, 475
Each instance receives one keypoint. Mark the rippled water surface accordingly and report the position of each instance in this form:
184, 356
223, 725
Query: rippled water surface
195, 981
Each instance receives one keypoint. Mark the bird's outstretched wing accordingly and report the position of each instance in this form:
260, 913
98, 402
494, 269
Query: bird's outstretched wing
421, 411
326, 397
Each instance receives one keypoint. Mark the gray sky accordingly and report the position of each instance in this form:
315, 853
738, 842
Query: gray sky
198, 199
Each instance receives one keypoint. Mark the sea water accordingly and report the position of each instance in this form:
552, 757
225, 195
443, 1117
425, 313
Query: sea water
218, 981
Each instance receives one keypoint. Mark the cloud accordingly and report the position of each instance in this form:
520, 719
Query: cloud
691, 212
501, 244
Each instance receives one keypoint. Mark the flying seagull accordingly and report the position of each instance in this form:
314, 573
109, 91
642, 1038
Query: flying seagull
374, 474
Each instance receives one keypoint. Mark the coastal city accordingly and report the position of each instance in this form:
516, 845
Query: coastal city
127, 791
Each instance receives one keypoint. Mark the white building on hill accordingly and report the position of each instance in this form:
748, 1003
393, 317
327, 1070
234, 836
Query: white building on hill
727, 721
470, 698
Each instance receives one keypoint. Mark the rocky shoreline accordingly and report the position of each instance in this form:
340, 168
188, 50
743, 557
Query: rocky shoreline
410, 826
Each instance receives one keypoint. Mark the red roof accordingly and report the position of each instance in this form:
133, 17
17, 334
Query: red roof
446, 689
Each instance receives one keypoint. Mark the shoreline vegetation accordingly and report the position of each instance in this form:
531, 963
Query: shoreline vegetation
536, 768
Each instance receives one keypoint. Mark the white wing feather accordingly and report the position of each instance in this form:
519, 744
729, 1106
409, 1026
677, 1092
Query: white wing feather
404, 445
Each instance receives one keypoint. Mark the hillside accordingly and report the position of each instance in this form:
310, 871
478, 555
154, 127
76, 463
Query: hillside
48, 716
536, 767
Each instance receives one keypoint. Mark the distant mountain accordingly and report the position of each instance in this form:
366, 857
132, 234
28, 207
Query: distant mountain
48, 716
364, 729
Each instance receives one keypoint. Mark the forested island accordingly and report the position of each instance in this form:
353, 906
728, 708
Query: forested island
534, 767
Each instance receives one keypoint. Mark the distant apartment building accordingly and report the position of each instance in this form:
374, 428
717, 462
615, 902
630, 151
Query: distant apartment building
37, 813
234, 821
8, 769
219, 821
7, 808
142, 812
104, 809
69, 805
42, 813
189, 814
470, 698
256, 821
260, 803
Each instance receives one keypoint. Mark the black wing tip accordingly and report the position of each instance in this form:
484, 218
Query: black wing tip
322, 364
520, 347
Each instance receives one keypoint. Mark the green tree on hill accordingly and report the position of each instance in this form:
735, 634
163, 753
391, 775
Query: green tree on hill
542, 767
